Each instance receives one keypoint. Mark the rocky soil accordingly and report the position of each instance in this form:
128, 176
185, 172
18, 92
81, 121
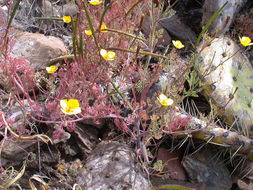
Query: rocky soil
124, 138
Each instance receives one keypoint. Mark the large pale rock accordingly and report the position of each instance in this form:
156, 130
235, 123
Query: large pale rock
222, 23
112, 165
227, 75
29, 52
38, 49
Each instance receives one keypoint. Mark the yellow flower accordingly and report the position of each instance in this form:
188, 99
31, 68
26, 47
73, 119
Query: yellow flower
81, 166
107, 55
88, 32
103, 27
51, 69
245, 41
66, 19
178, 44
164, 100
60, 168
95, 2
70, 106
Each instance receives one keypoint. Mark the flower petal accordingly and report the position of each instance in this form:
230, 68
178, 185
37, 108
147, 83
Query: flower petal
178, 44
76, 110
103, 52
103, 27
73, 103
64, 103
51, 69
66, 19
245, 41
95, 2
111, 55
88, 32
164, 100
70, 106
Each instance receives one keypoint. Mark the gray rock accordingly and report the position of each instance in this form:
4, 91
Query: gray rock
48, 9
164, 38
112, 165
222, 23
169, 26
179, 30
202, 168
69, 9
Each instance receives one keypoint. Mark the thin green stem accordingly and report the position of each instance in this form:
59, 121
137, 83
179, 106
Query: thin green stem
49, 18
90, 24
205, 28
133, 6
61, 58
125, 33
140, 52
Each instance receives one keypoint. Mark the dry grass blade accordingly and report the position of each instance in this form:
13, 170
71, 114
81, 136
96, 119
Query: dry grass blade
77, 187
38, 179
61, 58
132, 7
140, 52
125, 33
43, 137
12, 181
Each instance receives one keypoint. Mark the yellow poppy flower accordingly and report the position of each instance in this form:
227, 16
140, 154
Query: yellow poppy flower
51, 69
178, 44
103, 27
70, 106
88, 32
60, 168
164, 100
107, 55
66, 19
95, 2
245, 41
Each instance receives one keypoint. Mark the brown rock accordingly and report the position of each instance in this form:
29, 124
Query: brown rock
48, 9
179, 30
202, 167
38, 49
173, 166
169, 26
164, 38
15, 152
69, 9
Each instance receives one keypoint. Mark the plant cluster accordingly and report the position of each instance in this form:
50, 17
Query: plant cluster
109, 70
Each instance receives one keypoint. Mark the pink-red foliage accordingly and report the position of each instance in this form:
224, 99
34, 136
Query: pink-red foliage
178, 123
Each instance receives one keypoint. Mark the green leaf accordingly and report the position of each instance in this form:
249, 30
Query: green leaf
14, 10
205, 28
